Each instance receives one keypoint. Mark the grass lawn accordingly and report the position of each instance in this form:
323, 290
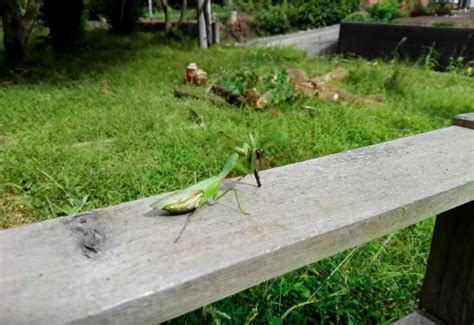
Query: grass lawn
101, 127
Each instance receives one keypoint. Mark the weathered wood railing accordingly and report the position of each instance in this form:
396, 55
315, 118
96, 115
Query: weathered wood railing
119, 265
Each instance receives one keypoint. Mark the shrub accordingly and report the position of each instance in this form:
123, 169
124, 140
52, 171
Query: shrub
65, 20
299, 14
385, 11
316, 13
443, 8
274, 20
419, 10
307, 15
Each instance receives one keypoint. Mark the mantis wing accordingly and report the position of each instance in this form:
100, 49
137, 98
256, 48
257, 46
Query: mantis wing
181, 201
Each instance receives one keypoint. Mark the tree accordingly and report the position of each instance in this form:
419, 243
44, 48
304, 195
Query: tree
65, 20
17, 25
166, 10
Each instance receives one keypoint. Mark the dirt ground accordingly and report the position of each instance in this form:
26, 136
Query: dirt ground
459, 20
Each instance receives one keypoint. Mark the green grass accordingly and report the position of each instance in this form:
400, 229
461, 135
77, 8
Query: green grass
100, 126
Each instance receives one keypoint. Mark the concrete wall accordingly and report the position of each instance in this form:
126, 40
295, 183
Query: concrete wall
372, 40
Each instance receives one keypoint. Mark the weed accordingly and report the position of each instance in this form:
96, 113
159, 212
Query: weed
443, 24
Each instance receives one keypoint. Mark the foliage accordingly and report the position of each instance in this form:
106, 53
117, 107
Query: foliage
440, 8
103, 124
65, 20
316, 13
123, 14
274, 20
385, 11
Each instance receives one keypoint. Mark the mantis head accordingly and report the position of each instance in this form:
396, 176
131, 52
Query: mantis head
249, 156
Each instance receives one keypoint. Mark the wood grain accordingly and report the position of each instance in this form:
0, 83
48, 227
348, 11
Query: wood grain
119, 265
448, 288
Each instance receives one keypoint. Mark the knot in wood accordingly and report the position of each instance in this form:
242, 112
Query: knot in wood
91, 237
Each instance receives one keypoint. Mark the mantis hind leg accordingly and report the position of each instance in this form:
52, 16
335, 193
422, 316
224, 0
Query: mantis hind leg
215, 198
188, 219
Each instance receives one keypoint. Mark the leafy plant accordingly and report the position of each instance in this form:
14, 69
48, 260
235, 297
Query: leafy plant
274, 86
431, 59
278, 89
456, 64
236, 83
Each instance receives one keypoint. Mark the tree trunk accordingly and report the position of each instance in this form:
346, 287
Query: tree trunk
207, 18
17, 28
202, 34
184, 7
166, 11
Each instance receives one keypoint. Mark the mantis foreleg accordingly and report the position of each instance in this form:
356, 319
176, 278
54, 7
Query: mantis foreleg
246, 171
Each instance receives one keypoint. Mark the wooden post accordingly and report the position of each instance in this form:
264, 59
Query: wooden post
448, 288
150, 10
202, 31
216, 38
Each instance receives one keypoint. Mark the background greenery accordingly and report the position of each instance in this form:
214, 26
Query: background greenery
100, 126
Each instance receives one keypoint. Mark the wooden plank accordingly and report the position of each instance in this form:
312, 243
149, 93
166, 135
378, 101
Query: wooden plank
465, 120
418, 318
120, 265
448, 288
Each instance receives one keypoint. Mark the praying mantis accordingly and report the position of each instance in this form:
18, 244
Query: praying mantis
195, 196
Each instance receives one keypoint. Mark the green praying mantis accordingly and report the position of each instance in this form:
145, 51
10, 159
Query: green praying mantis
244, 159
